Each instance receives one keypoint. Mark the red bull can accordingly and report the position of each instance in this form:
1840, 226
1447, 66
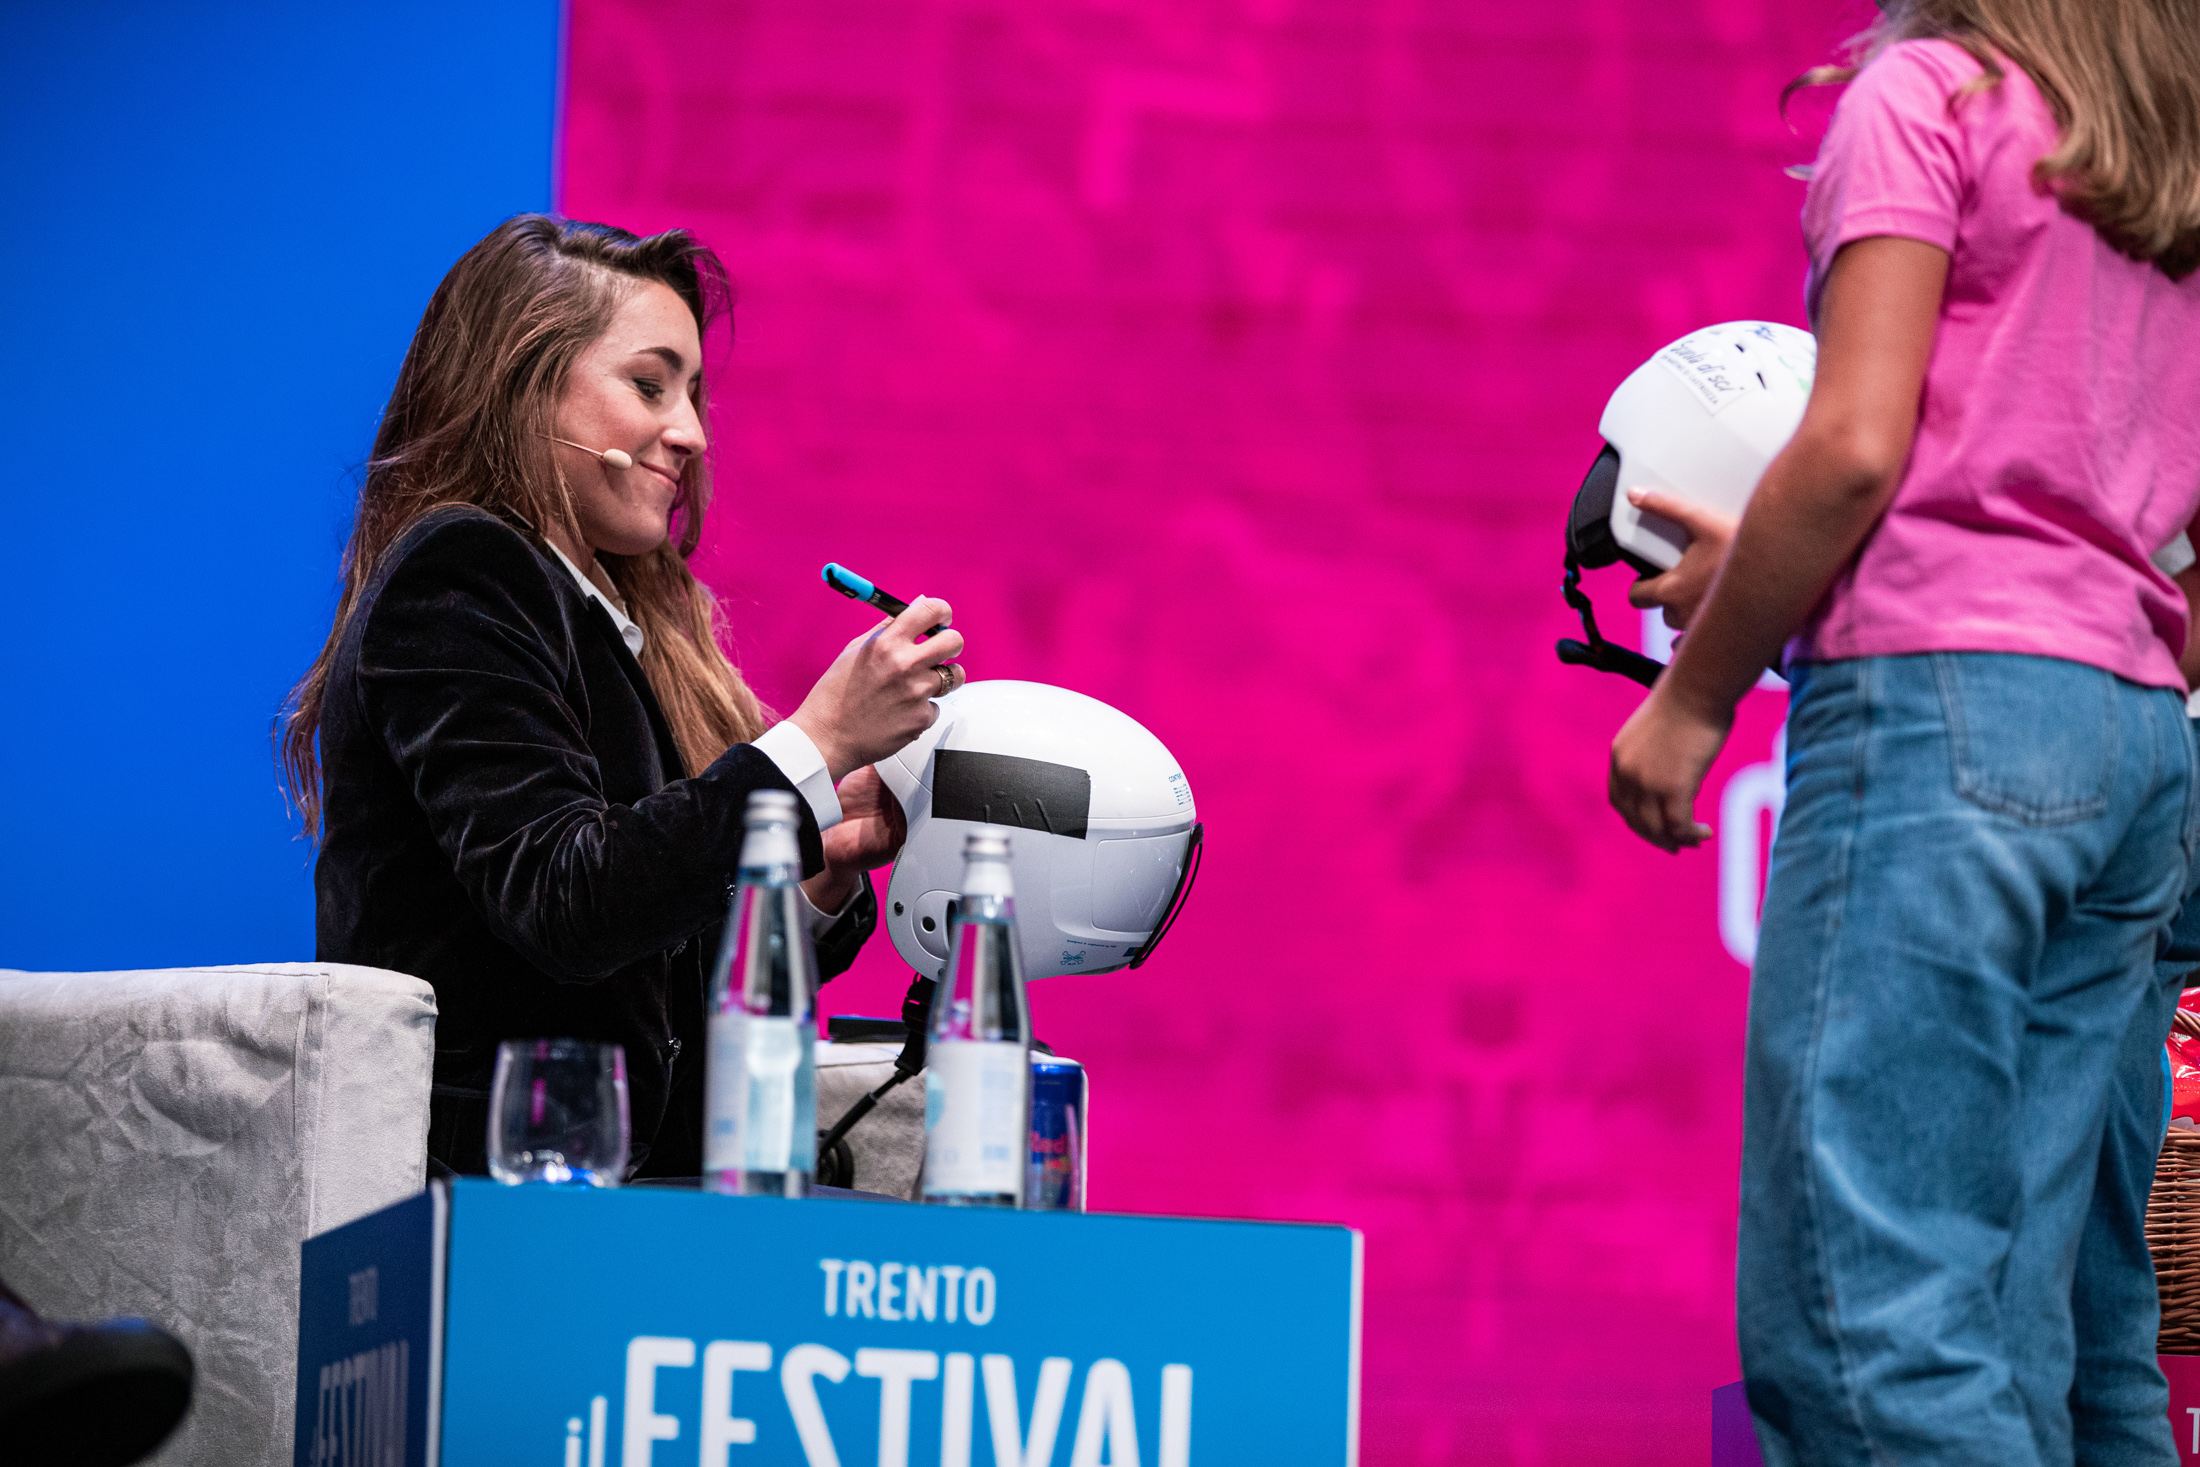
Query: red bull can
1056, 1179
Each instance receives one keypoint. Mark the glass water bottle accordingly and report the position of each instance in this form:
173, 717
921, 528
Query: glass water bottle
760, 1107
977, 1084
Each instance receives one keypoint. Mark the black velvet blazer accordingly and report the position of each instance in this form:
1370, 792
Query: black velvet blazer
507, 817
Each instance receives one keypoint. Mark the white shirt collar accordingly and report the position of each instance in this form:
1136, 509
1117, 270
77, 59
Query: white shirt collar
628, 632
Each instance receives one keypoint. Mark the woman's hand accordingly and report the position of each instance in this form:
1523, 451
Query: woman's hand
877, 695
871, 827
1682, 589
869, 835
1658, 764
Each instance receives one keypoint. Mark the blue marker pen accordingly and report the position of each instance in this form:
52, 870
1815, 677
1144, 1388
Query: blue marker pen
856, 588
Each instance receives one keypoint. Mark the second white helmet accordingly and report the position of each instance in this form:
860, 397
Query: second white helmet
1704, 418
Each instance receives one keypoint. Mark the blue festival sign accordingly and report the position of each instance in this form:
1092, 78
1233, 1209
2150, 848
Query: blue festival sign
652, 1327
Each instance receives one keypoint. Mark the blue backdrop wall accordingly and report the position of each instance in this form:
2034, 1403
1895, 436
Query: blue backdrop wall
223, 222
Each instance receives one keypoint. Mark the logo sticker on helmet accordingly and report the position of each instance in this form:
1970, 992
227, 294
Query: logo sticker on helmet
1711, 369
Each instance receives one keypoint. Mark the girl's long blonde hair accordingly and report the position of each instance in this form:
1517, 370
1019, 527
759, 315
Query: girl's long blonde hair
2123, 77
468, 423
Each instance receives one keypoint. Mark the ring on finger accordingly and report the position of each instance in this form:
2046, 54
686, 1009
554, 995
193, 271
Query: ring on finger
950, 676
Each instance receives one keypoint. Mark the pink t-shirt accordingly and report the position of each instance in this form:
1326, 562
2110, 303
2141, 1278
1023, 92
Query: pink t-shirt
2058, 437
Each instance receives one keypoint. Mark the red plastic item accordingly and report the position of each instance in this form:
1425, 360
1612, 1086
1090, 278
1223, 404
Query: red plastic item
2184, 1059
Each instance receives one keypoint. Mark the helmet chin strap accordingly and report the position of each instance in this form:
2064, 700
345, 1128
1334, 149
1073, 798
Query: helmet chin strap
1596, 652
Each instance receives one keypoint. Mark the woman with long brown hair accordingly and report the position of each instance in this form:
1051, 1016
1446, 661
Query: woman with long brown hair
1952, 1093
524, 755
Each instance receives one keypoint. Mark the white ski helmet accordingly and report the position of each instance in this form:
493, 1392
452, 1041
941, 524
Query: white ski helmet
1104, 837
1703, 419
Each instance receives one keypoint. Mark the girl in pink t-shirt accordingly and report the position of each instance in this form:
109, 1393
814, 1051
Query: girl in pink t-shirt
1952, 1095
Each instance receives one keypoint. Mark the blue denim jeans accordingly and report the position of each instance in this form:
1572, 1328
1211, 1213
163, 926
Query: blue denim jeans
1952, 1099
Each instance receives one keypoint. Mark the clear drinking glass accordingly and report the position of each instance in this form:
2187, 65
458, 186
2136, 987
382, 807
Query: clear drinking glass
557, 1113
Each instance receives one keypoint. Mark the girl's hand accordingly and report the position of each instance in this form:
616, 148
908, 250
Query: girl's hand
1658, 764
1682, 589
871, 830
877, 695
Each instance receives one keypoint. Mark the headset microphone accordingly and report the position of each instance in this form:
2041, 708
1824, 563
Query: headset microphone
613, 458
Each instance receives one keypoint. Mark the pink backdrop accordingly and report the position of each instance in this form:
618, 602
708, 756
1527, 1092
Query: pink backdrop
1234, 361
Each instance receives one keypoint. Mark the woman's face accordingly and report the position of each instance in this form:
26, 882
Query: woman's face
633, 389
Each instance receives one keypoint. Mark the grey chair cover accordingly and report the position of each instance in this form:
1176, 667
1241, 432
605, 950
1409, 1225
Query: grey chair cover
169, 1137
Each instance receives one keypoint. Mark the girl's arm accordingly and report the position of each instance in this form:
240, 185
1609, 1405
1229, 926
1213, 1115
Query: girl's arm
1817, 502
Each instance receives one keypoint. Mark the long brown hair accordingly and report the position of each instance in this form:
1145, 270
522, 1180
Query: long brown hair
468, 423
2123, 78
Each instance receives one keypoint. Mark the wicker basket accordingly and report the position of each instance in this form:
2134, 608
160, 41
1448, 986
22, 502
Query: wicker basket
2173, 1236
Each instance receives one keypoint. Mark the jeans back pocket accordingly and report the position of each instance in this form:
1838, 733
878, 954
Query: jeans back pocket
2033, 738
